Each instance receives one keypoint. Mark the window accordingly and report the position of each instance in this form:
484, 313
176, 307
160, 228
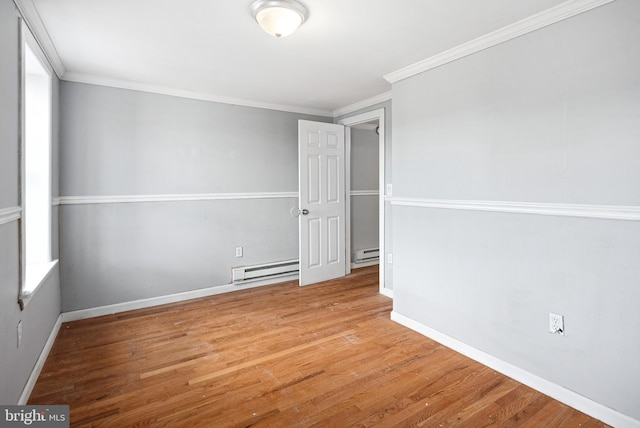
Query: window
35, 151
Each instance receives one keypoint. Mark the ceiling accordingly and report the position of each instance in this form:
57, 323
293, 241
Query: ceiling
213, 49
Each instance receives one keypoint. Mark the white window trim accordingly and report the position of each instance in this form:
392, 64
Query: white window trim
39, 273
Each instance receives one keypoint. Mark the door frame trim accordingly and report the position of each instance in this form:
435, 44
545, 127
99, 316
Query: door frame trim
348, 122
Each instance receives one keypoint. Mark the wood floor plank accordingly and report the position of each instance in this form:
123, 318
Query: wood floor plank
265, 358
325, 355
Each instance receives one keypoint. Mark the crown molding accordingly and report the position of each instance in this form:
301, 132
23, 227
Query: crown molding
182, 93
380, 98
7, 215
534, 22
123, 199
609, 212
31, 16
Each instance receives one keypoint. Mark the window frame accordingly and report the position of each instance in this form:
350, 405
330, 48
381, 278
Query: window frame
39, 273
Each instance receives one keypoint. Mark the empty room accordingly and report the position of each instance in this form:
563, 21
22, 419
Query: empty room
320, 213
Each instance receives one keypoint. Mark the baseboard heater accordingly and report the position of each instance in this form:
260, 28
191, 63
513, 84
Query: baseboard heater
244, 274
367, 255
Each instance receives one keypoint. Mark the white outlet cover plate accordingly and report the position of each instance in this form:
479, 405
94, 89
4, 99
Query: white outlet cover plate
556, 323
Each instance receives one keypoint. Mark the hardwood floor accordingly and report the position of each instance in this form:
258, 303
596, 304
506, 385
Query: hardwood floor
324, 355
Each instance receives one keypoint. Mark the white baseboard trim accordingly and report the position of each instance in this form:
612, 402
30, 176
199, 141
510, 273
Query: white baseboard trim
557, 392
386, 292
171, 298
364, 264
35, 373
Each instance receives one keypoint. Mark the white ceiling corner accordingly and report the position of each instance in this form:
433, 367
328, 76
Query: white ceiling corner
380, 98
546, 17
177, 92
34, 22
213, 49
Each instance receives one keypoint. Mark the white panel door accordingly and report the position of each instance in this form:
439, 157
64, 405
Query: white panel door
322, 201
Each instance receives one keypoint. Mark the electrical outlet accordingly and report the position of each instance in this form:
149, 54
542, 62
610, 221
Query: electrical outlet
556, 324
238, 251
19, 332
389, 190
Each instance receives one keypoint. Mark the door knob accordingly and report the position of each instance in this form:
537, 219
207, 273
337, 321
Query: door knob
295, 211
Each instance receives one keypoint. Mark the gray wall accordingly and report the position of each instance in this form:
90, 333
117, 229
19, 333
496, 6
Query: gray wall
121, 142
388, 179
364, 176
42, 311
549, 117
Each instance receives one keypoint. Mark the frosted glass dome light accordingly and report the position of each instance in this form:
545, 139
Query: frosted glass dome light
279, 17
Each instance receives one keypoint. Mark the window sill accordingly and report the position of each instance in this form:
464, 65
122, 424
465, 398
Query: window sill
36, 275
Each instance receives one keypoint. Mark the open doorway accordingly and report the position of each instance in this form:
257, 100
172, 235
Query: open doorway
364, 216
367, 120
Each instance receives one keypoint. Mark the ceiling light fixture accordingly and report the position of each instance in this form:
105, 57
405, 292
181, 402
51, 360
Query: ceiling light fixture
279, 17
